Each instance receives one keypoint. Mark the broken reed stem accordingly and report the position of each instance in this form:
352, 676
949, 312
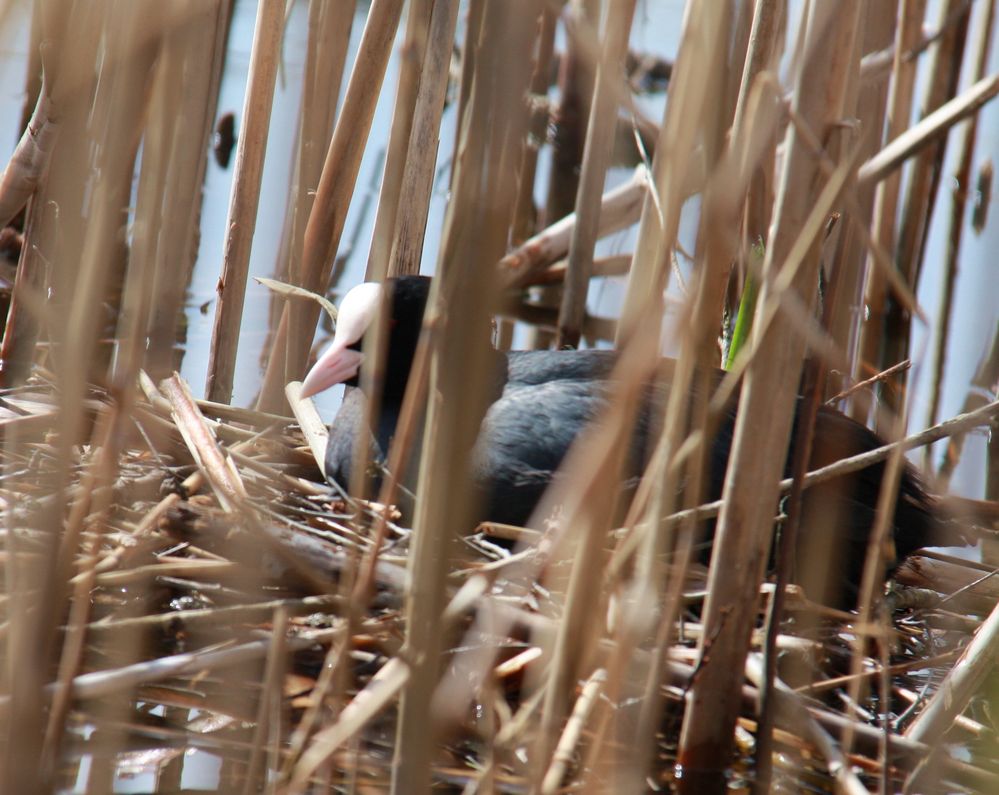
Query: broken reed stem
620, 207
242, 217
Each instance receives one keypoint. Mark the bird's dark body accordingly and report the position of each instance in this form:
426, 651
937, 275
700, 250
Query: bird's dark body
543, 399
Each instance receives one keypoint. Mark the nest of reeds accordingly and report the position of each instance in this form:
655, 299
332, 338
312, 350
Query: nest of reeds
187, 600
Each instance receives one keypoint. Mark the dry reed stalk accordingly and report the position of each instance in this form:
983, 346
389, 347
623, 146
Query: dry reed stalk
245, 198
415, 49
596, 157
43, 224
732, 160
766, 409
872, 620
672, 166
526, 212
924, 179
21, 327
186, 91
108, 436
165, 217
84, 277
568, 122
570, 117
475, 234
729, 165
899, 108
33, 78
313, 428
336, 185
589, 494
473, 32
764, 48
573, 731
221, 474
217, 617
869, 737
959, 200
847, 267
414, 192
614, 265
100, 684
381, 691
330, 23
269, 706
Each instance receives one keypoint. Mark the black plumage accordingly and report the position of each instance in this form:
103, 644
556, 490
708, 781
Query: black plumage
541, 401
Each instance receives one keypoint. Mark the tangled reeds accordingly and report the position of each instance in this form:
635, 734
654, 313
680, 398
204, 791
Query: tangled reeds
186, 599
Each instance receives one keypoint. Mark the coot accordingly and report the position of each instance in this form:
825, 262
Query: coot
541, 401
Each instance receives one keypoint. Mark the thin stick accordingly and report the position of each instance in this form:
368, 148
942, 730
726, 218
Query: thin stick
573, 731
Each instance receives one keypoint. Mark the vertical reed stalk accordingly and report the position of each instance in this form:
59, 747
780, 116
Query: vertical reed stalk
570, 117
421, 156
245, 200
920, 198
526, 213
175, 157
599, 142
336, 185
763, 423
330, 23
959, 202
476, 231
411, 76
903, 79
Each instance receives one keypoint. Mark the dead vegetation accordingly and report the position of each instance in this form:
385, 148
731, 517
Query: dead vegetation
178, 578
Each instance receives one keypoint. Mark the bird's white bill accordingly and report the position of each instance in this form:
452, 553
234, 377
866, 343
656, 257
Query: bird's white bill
339, 363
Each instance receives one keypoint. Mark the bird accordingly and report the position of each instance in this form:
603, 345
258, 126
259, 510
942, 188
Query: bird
539, 403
